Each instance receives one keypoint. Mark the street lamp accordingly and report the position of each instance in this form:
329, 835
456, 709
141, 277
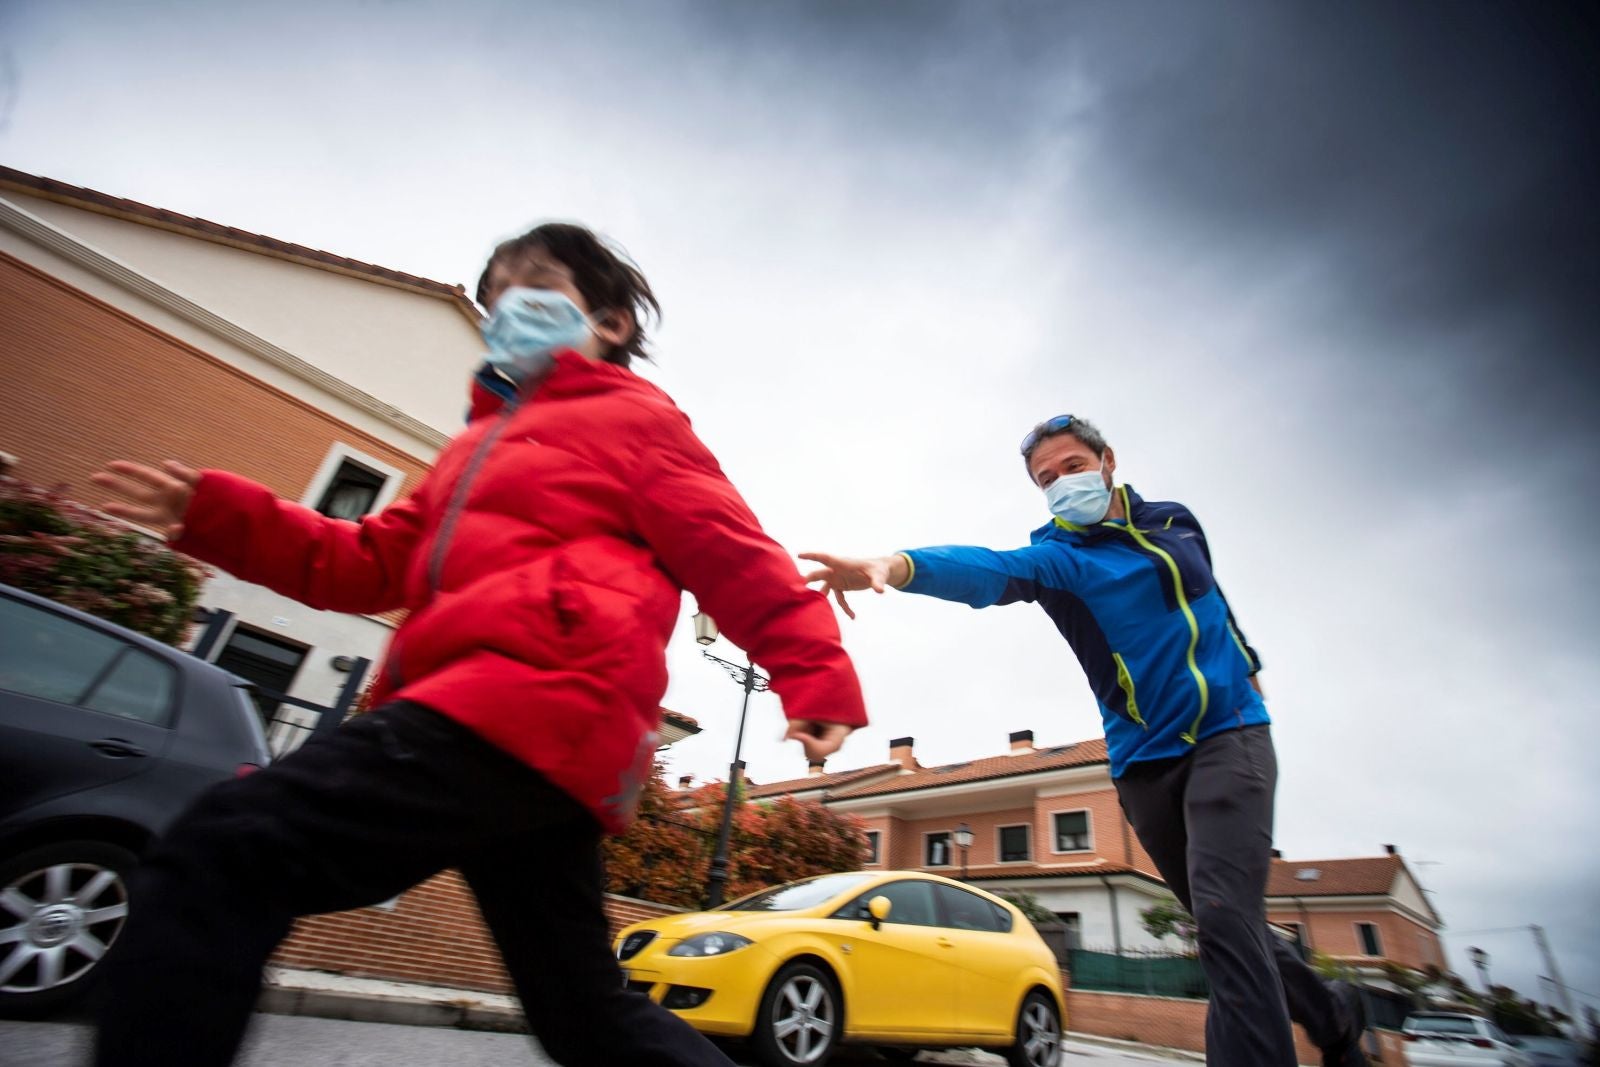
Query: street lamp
963, 842
705, 632
1480, 960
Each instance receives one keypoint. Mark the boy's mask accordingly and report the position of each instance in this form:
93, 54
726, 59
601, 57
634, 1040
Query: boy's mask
528, 326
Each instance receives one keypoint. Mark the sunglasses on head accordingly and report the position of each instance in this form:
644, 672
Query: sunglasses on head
1047, 428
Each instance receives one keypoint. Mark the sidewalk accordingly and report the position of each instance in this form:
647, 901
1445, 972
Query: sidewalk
334, 996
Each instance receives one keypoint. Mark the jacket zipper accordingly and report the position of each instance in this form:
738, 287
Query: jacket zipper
1192, 735
1125, 680
447, 525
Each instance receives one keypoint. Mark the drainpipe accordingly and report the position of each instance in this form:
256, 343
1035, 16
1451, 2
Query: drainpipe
1305, 924
1116, 920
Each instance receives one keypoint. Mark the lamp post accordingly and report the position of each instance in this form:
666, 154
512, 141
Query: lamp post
1480, 960
963, 842
705, 632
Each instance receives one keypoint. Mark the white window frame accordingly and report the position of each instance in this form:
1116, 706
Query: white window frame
950, 847
875, 842
999, 842
338, 452
1088, 821
1377, 940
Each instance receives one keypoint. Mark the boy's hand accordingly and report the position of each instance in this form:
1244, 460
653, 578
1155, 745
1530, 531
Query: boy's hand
160, 497
843, 574
819, 739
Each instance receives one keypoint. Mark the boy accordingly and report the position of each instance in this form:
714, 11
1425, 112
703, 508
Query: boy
542, 562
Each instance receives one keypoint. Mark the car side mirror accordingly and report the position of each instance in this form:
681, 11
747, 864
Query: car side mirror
878, 907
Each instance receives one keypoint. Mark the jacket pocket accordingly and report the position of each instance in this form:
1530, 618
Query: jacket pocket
1125, 683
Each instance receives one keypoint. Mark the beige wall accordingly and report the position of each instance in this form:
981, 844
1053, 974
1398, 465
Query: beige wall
411, 350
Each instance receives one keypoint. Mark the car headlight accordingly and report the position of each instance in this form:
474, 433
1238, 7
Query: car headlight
713, 944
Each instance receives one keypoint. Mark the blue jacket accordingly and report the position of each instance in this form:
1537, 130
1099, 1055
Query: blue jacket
1139, 606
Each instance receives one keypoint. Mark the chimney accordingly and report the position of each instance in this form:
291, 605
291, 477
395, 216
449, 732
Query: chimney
686, 782
1392, 850
900, 752
1021, 742
1277, 853
815, 768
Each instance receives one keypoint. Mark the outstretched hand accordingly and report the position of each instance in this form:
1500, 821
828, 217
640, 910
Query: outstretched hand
819, 739
160, 497
844, 574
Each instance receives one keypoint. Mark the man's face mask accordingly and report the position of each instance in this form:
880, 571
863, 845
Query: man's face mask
1081, 499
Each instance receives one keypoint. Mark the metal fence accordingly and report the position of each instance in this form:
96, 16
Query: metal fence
1149, 974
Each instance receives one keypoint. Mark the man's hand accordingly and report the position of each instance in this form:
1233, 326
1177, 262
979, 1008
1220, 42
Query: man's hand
819, 739
160, 497
843, 574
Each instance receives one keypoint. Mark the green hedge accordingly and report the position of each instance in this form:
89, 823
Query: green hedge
75, 556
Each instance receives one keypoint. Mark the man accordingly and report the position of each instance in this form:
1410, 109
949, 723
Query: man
1129, 584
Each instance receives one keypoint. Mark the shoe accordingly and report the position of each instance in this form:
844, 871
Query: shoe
1347, 1053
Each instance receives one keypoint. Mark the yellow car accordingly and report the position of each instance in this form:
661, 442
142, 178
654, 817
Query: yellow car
897, 959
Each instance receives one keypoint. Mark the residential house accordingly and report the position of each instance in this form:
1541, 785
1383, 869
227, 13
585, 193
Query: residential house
132, 331
1361, 911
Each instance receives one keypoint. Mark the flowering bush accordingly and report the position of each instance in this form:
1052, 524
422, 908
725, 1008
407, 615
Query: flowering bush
665, 856
77, 557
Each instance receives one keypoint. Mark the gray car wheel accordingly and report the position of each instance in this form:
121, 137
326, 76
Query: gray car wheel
800, 1018
62, 908
1038, 1041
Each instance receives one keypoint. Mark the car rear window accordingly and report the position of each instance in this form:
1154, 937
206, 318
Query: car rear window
138, 687
48, 656
1441, 1024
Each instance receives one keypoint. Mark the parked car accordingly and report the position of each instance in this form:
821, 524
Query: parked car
1451, 1039
105, 736
896, 959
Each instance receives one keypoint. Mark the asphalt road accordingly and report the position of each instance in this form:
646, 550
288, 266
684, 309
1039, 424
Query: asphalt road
298, 1041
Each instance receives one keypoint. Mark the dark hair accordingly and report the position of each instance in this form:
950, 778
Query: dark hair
603, 273
1082, 429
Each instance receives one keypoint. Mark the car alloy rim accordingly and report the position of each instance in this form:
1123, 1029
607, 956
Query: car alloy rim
56, 923
1040, 1037
802, 1019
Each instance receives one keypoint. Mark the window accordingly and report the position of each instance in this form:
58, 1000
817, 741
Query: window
1014, 844
269, 663
48, 656
1072, 831
874, 839
139, 687
968, 911
936, 849
1367, 934
910, 904
352, 491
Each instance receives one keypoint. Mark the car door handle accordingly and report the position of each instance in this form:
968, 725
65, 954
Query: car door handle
116, 747
945, 942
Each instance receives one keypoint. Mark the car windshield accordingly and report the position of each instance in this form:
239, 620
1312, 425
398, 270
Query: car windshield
797, 895
1441, 1024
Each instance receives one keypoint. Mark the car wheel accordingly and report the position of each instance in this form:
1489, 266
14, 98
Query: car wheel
1038, 1041
800, 1018
62, 908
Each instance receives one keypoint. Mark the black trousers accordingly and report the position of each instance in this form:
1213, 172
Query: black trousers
1206, 821
388, 800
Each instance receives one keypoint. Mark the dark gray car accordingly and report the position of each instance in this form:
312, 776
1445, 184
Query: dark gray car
105, 736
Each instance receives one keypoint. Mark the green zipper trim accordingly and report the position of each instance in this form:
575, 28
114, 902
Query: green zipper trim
1192, 736
1125, 680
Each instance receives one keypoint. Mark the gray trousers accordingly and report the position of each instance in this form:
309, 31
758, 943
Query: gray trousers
1206, 821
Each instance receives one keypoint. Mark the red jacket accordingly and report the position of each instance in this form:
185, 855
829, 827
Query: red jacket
542, 562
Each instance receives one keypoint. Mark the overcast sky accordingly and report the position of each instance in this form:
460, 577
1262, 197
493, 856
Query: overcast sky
1328, 274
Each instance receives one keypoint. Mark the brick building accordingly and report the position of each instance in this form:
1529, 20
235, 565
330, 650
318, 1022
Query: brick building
131, 331
1362, 911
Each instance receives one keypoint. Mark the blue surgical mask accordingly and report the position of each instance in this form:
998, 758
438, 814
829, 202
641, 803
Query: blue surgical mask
1081, 499
527, 327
